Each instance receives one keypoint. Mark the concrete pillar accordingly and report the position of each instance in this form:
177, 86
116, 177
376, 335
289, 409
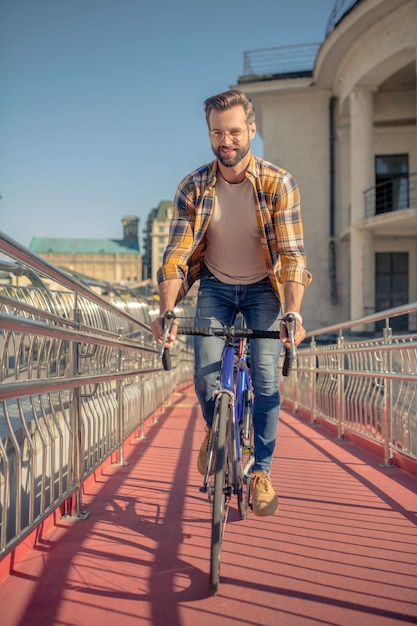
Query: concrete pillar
362, 176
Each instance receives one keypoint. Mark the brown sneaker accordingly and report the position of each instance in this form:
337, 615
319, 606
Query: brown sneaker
202, 455
264, 499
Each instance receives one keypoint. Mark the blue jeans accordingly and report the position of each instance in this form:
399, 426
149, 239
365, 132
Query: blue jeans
260, 306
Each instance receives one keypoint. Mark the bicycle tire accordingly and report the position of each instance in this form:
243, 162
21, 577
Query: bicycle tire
219, 511
246, 456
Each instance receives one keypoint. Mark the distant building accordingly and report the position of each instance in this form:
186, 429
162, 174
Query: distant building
156, 239
109, 260
341, 117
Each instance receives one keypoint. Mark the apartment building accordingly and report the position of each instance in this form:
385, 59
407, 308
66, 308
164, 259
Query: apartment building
341, 117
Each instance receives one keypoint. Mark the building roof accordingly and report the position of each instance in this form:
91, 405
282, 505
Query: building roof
162, 210
58, 245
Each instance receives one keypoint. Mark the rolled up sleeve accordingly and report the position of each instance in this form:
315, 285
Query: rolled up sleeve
290, 236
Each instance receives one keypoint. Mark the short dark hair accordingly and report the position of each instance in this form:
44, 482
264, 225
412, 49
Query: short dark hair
227, 100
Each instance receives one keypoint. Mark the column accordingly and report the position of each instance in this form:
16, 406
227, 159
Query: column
362, 176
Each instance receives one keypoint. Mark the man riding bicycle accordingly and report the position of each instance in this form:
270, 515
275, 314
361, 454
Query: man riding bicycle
237, 228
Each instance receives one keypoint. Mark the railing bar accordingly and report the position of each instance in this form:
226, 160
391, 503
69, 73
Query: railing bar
17, 251
18, 324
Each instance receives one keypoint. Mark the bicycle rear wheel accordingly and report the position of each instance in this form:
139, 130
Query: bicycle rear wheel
219, 512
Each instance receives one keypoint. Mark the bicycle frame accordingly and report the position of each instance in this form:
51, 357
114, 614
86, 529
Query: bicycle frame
234, 380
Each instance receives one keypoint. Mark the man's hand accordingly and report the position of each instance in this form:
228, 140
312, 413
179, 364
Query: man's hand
157, 327
293, 296
168, 292
299, 334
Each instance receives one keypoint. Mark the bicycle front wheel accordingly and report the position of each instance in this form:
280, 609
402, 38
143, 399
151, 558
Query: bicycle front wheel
219, 512
246, 456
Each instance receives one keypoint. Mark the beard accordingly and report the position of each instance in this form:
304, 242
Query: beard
231, 161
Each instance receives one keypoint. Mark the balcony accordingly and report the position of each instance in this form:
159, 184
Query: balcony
296, 61
391, 207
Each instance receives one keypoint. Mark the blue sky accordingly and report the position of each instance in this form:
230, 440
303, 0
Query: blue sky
101, 105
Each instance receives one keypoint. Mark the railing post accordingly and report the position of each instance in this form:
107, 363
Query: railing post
77, 433
340, 390
120, 405
142, 435
313, 362
388, 417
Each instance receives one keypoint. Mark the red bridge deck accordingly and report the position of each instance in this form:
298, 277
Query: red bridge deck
342, 550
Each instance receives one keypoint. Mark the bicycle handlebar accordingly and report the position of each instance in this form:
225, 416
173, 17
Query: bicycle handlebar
230, 332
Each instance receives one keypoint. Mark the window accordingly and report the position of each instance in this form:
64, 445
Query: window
391, 183
391, 285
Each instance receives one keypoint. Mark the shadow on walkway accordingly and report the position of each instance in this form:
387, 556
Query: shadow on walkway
341, 551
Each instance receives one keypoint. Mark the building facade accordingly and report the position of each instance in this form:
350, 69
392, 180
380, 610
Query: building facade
115, 261
346, 130
156, 239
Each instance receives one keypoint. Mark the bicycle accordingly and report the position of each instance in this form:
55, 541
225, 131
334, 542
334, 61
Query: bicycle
231, 451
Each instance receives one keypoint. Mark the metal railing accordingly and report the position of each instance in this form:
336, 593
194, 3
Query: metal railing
78, 375
284, 61
290, 61
366, 386
339, 11
399, 192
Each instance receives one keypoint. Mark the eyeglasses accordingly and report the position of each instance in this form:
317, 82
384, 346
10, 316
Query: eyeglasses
235, 134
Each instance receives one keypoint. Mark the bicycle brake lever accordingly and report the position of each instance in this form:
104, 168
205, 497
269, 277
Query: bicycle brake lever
169, 317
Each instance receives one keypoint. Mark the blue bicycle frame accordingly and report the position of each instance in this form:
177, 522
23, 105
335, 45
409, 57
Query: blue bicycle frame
235, 378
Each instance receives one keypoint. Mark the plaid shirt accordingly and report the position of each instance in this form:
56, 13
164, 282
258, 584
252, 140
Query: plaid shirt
277, 202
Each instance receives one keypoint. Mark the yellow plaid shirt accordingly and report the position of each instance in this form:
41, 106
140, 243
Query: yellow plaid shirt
277, 202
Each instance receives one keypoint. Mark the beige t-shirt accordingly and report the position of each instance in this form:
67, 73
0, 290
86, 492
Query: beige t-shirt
234, 253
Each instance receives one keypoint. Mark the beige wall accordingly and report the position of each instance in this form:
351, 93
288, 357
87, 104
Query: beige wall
109, 268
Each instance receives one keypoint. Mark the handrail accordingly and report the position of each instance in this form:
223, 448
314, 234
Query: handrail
79, 374
12, 248
386, 315
363, 384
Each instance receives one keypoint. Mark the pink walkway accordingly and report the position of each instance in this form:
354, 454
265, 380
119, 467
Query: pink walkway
342, 550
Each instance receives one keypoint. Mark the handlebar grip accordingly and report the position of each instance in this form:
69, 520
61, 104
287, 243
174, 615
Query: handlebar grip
288, 363
290, 354
169, 316
166, 360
